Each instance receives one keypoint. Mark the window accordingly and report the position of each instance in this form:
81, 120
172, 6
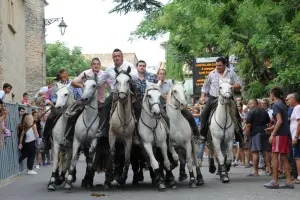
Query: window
11, 16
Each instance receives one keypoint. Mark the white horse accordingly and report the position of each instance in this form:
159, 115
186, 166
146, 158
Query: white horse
222, 130
153, 130
122, 126
181, 133
86, 129
64, 100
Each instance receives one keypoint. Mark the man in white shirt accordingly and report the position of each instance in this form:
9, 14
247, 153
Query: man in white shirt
109, 76
294, 101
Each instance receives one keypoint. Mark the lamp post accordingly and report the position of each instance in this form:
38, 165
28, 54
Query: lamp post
62, 25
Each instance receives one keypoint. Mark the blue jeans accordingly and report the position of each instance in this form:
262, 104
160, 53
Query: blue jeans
200, 156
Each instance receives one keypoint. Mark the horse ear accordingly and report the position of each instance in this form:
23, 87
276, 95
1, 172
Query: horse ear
69, 84
95, 77
183, 82
173, 82
84, 75
128, 69
148, 84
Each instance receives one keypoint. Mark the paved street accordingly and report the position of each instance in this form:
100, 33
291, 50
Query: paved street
34, 188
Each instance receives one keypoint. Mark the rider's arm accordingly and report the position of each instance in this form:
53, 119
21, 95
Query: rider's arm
77, 82
205, 89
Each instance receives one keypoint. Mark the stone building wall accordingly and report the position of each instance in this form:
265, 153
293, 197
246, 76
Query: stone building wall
1, 45
35, 45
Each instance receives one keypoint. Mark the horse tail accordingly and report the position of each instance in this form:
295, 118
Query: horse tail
63, 160
194, 150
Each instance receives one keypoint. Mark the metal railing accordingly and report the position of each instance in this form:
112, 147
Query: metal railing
9, 154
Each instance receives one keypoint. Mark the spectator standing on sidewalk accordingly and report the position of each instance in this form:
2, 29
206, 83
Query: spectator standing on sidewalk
294, 101
28, 135
3, 114
256, 123
37, 122
279, 138
25, 100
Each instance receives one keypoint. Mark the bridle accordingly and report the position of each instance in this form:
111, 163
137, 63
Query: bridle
176, 99
130, 79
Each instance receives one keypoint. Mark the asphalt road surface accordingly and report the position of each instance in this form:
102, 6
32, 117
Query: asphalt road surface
34, 187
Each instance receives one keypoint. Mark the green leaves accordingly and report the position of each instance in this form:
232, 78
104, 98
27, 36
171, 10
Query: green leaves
59, 56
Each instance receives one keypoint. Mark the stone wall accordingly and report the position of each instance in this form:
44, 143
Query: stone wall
35, 45
1, 44
12, 67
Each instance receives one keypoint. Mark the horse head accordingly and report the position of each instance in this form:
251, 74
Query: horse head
64, 95
152, 97
123, 80
89, 88
225, 91
176, 95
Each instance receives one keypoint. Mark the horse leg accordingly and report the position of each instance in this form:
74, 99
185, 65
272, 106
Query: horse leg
154, 164
76, 146
211, 160
127, 145
135, 165
90, 171
221, 160
200, 180
111, 162
170, 179
51, 184
182, 175
188, 148
174, 156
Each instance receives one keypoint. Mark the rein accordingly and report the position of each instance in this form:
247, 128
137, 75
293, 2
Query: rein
174, 107
226, 118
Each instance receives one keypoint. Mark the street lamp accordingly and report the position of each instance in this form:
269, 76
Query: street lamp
62, 25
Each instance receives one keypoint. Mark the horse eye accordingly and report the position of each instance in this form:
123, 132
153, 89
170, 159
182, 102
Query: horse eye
149, 96
220, 87
174, 91
94, 85
116, 81
66, 95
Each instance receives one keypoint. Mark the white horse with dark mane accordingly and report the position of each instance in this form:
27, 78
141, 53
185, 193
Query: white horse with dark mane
153, 131
222, 128
86, 129
122, 126
64, 100
181, 133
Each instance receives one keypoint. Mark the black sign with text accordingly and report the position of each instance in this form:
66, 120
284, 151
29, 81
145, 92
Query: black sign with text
200, 73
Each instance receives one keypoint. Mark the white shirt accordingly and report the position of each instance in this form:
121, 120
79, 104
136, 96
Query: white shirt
294, 123
43, 89
30, 136
2, 94
270, 112
109, 75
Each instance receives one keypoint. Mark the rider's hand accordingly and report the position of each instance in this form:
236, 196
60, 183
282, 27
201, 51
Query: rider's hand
202, 100
20, 146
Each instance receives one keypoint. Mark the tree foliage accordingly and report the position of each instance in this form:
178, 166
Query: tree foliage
136, 5
59, 56
253, 30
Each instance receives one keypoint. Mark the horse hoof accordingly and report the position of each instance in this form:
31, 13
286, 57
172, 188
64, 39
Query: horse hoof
172, 183
68, 186
212, 169
83, 183
182, 177
89, 186
228, 167
51, 187
193, 184
161, 187
107, 186
74, 179
135, 182
200, 180
225, 179
60, 180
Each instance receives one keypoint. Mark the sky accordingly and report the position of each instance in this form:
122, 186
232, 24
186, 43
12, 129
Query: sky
92, 28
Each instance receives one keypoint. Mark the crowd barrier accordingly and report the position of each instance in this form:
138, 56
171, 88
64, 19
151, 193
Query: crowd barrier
9, 154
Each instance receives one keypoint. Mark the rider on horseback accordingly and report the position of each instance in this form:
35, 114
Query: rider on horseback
109, 76
210, 90
78, 107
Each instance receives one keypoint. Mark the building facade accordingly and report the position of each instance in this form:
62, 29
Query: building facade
22, 45
106, 58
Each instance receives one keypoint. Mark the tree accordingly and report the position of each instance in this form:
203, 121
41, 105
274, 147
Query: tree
251, 29
59, 56
136, 5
